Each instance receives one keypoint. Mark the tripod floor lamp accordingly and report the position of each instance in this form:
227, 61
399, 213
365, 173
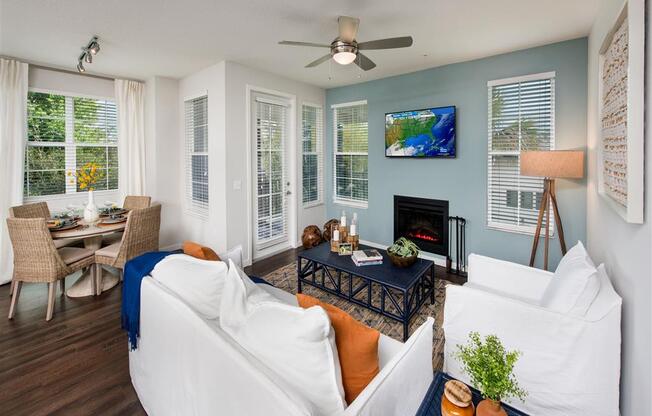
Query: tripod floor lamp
550, 165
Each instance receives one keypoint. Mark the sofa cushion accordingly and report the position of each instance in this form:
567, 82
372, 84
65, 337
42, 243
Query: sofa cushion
357, 347
199, 283
575, 284
297, 344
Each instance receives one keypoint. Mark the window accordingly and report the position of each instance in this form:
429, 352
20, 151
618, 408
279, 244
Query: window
64, 133
196, 115
312, 154
351, 154
521, 117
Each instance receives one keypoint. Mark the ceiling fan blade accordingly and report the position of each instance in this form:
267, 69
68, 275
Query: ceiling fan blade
364, 62
319, 61
293, 43
348, 28
390, 43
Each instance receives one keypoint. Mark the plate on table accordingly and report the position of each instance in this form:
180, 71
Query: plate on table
113, 219
107, 212
62, 224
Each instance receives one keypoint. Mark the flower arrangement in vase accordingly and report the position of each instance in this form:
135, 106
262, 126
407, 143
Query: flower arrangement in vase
87, 177
491, 369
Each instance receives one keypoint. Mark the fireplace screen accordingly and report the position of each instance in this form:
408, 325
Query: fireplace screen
424, 221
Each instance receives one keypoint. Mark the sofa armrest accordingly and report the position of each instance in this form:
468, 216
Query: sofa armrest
400, 386
513, 279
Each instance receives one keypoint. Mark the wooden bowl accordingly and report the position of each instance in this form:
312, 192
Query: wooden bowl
402, 261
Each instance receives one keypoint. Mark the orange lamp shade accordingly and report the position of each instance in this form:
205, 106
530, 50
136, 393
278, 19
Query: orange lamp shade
553, 163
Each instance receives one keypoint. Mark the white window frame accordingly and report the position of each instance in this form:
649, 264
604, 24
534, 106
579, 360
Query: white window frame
70, 147
515, 228
344, 201
319, 153
198, 209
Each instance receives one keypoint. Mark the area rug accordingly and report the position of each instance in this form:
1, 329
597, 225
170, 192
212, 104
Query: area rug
286, 278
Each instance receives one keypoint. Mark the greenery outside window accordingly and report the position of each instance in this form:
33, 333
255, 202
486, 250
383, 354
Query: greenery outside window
521, 117
351, 143
312, 154
64, 132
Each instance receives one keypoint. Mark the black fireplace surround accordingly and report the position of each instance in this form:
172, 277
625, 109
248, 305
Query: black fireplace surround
424, 221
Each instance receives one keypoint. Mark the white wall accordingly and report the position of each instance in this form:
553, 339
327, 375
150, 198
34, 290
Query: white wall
213, 231
163, 164
626, 249
238, 78
67, 83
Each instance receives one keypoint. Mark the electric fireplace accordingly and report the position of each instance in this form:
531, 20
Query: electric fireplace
424, 221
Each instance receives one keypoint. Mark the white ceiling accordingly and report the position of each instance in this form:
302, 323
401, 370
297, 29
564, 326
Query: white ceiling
142, 38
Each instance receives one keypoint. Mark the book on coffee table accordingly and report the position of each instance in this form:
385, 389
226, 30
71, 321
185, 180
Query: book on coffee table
367, 257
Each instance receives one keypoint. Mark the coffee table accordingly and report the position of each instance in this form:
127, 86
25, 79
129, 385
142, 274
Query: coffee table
431, 405
406, 289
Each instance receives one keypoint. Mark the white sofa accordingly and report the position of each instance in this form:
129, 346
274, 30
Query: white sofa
186, 364
570, 364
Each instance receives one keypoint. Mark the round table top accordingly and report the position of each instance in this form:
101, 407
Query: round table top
89, 230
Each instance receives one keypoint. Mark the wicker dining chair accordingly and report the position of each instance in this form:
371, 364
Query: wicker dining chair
36, 210
37, 260
136, 202
140, 236
131, 202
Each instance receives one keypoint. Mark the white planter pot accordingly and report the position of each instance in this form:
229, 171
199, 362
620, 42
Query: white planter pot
91, 213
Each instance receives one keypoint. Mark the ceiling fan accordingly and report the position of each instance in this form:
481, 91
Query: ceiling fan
345, 49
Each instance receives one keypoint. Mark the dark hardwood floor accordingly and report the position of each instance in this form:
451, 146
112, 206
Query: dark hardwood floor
76, 364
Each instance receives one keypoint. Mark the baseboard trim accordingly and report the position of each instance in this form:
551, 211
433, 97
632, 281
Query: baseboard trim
438, 260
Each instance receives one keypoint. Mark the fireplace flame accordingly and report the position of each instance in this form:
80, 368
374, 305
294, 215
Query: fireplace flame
423, 236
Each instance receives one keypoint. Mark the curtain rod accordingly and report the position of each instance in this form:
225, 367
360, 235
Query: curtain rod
67, 71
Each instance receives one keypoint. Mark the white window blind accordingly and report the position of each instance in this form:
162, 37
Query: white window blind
312, 127
271, 198
521, 117
196, 122
351, 140
65, 132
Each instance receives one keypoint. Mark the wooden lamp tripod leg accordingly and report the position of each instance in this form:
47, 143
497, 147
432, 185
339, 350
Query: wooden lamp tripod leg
560, 228
542, 209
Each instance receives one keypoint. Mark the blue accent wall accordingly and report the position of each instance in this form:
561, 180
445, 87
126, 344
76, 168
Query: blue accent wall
463, 180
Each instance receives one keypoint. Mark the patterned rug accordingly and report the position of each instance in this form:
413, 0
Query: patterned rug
286, 278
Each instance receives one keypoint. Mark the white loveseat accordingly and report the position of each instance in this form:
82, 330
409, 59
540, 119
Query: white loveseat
186, 364
570, 364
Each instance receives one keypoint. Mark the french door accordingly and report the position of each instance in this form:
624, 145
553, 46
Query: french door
270, 175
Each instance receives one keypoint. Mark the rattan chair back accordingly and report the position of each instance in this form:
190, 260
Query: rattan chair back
136, 202
35, 210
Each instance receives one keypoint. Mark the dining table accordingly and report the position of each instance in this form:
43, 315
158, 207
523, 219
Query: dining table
91, 234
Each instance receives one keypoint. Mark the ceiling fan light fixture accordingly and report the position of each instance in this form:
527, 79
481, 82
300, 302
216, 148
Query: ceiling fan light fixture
80, 67
88, 58
344, 57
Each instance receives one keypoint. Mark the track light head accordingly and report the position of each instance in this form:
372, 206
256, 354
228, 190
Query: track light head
94, 47
88, 58
80, 67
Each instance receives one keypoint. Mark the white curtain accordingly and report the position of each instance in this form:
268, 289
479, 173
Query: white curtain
130, 96
13, 133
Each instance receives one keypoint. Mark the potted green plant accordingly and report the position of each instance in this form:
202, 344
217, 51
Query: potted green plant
403, 253
490, 367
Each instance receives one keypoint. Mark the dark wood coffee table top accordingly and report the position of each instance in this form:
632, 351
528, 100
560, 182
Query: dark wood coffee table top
386, 273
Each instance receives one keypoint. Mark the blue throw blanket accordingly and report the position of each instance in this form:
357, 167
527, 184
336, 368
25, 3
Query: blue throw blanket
135, 270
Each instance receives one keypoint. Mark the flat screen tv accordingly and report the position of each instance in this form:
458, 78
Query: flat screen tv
421, 133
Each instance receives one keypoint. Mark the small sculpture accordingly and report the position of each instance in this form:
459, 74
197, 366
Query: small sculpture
311, 236
326, 235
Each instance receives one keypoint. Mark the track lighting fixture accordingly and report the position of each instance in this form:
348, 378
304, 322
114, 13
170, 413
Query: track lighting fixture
92, 48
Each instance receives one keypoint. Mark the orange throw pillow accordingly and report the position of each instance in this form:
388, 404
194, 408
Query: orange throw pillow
357, 347
197, 250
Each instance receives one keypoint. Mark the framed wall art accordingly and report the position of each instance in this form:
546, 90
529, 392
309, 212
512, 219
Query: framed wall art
621, 104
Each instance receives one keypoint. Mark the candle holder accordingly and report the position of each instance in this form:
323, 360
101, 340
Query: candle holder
335, 243
354, 240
